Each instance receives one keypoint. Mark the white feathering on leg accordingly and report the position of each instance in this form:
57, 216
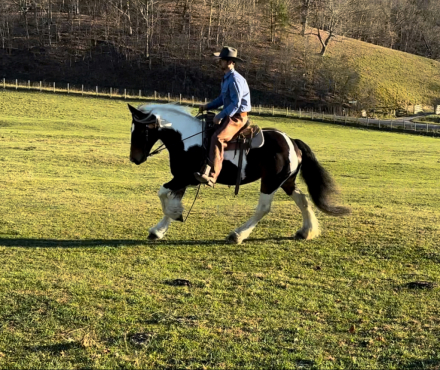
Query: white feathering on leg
263, 208
310, 227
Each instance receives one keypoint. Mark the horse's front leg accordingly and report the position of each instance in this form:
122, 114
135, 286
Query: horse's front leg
172, 208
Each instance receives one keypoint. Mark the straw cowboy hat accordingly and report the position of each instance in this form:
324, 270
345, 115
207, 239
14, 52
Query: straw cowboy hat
228, 53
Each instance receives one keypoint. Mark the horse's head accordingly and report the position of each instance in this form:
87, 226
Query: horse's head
144, 134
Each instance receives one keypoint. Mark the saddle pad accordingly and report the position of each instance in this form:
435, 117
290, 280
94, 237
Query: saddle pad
252, 137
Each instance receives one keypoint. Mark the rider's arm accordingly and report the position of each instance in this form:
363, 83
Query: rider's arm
236, 95
218, 102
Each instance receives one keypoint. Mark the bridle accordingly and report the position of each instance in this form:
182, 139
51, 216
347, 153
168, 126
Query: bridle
150, 123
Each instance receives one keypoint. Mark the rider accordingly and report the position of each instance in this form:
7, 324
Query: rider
236, 101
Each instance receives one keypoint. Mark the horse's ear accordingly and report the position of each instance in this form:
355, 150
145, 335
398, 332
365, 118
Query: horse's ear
134, 111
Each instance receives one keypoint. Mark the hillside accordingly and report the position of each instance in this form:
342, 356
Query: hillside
285, 69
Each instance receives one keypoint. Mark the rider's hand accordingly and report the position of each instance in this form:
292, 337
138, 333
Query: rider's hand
216, 120
202, 108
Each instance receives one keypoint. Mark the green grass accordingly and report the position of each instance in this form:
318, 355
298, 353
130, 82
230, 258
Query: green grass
79, 282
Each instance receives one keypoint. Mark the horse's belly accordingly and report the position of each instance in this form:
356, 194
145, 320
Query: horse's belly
228, 175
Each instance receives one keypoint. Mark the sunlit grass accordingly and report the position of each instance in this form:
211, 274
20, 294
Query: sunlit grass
82, 287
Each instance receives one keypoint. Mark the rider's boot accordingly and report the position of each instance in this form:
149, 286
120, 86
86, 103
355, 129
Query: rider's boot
204, 176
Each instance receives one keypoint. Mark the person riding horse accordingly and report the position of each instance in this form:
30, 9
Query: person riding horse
235, 98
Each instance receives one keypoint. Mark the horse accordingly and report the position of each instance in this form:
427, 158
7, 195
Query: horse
277, 163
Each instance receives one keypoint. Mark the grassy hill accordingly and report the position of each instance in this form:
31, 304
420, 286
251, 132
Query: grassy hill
373, 75
393, 76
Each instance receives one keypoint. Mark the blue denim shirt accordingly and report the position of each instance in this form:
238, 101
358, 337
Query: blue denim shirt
235, 96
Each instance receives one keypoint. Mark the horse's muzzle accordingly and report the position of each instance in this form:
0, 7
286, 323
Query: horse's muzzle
137, 161
137, 156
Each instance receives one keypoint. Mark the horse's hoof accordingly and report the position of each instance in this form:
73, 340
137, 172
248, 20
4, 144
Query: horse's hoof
152, 236
307, 234
300, 236
234, 238
180, 218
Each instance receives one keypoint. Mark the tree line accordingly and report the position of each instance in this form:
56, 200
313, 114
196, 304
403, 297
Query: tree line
177, 35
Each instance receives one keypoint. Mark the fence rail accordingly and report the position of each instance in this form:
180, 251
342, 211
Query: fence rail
403, 124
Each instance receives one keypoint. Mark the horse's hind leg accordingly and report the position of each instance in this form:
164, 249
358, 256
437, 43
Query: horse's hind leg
172, 208
310, 227
243, 232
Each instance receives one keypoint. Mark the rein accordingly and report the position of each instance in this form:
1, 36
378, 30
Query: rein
162, 147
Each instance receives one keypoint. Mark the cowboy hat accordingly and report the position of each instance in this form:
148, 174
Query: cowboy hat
228, 53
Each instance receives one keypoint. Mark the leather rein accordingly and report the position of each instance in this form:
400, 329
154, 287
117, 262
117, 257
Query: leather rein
156, 124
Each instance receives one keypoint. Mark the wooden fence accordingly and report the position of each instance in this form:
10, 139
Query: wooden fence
262, 110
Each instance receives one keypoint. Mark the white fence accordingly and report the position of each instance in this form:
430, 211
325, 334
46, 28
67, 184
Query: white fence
117, 93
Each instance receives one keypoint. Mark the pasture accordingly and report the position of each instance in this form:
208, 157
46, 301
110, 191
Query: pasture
81, 287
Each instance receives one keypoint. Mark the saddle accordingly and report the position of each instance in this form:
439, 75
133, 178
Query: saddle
249, 137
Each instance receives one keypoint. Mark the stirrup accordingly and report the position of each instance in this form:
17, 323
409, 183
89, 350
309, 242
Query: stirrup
203, 176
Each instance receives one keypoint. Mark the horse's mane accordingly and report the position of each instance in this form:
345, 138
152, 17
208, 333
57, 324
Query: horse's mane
167, 111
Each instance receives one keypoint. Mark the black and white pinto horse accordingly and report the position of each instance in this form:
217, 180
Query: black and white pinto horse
277, 163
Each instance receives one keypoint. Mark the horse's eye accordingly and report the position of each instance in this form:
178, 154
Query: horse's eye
132, 127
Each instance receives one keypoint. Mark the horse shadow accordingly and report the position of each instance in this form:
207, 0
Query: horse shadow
116, 243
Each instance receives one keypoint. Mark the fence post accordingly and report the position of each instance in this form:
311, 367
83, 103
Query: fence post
68, 88
82, 89
140, 93
4, 83
41, 86
345, 119
273, 110
415, 126
427, 128
259, 109
16, 84
391, 125
367, 121
287, 111
192, 98
154, 95
125, 93
168, 97
334, 117
111, 92
299, 112
312, 114
206, 100
96, 90
29, 84
54, 87
379, 123
180, 99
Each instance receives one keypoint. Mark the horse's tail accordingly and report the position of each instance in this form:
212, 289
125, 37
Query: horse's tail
319, 182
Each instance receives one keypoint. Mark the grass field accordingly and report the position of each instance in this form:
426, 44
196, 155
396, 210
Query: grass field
81, 287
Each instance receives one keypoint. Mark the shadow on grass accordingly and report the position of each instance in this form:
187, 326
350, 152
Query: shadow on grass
53, 348
86, 243
428, 364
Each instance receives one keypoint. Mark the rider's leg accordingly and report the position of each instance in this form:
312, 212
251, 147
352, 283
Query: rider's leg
227, 130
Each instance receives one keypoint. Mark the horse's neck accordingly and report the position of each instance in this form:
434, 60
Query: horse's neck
184, 132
